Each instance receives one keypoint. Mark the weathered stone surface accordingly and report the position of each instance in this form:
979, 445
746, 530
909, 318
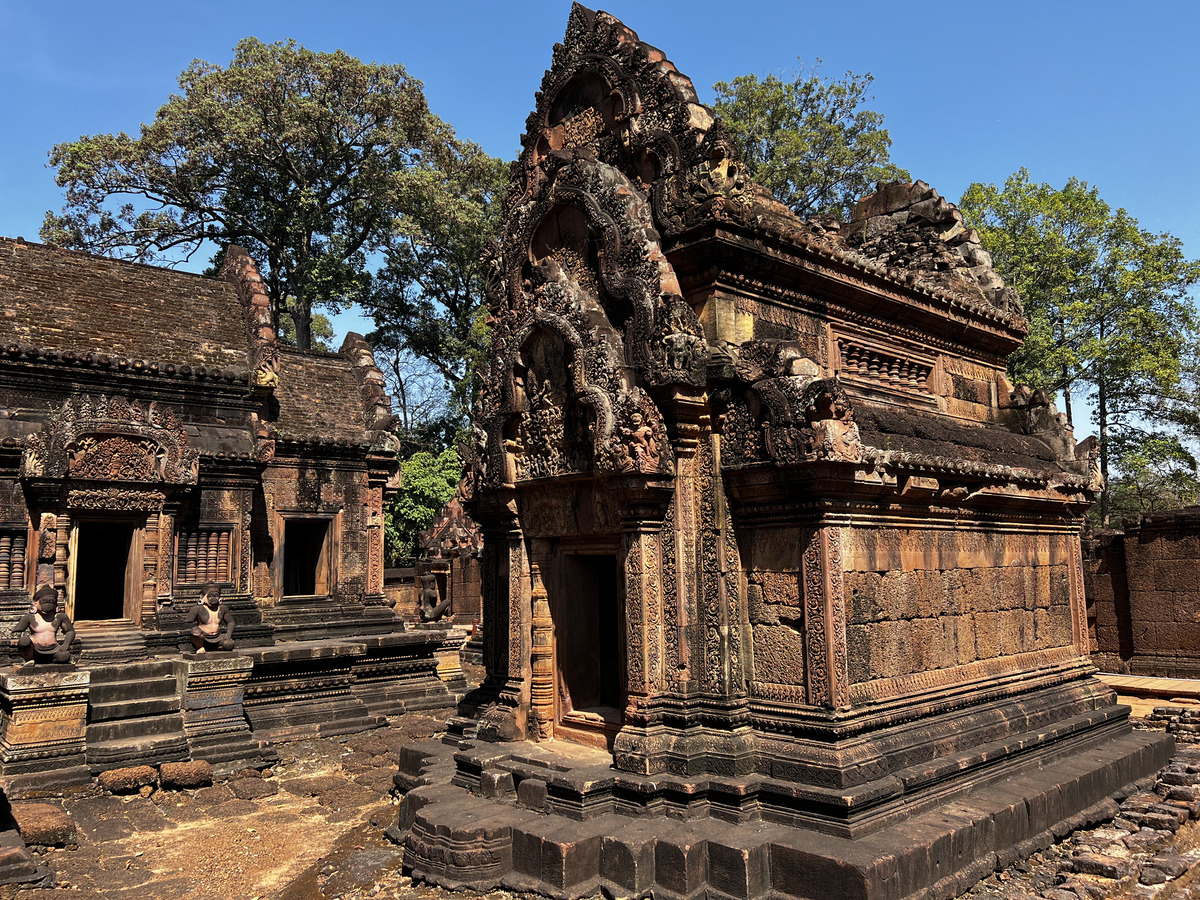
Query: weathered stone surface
44, 824
185, 775
253, 788
129, 779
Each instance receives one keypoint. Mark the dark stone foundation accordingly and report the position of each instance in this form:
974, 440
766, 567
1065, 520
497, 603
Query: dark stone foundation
556, 819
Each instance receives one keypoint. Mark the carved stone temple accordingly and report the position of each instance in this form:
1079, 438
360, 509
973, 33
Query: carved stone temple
155, 437
781, 576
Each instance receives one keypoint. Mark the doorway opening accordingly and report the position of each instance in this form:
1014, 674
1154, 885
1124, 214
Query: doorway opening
305, 557
103, 570
589, 633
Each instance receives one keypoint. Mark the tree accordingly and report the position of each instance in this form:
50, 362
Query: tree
1107, 302
808, 140
304, 158
1156, 472
427, 483
427, 298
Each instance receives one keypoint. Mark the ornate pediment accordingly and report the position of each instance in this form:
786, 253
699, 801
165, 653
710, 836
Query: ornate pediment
111, 439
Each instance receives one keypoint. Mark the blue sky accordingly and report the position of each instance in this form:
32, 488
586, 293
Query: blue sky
971, 91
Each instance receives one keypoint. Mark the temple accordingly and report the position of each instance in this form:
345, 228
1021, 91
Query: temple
782, 577
155, 437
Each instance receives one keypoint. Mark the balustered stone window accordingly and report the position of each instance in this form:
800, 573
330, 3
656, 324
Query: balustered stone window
12, 558
203, 554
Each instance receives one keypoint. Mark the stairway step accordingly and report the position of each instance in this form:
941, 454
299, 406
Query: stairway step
133, 671
122, 729
143, 689
132, 709
136, 751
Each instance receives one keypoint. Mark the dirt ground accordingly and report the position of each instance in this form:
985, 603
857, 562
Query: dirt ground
311, 828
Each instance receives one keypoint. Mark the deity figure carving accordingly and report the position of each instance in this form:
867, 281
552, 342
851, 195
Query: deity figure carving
211, 621
38, 629
431, 608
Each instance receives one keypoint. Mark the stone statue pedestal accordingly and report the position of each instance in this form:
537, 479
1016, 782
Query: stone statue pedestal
43, 727
449, 660
214, 719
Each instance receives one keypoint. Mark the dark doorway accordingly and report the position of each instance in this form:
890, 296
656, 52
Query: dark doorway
305, 557
102, 569
589, 629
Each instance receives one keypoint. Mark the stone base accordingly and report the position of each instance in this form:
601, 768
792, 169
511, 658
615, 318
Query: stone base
43, 725
304, 689
18, 865
513, 830
398, 673
214, 720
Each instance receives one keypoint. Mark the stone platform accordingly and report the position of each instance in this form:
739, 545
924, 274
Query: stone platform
557, 819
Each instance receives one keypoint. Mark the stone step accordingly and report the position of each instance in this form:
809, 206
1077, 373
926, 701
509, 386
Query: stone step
134, 671
140, 689
140, 751
134, 729
133, 708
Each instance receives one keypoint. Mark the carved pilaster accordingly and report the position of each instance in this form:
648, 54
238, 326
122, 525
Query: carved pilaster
149, 600
375, 542
166, 544
642, 513
825, 618
1079, 626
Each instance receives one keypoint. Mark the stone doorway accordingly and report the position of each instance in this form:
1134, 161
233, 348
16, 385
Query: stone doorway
106, 567
588, 609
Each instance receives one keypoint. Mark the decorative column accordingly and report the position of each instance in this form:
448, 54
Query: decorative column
166, 543
150, 539
825, 618
375, 545
541, 655
1079, 624
62, 550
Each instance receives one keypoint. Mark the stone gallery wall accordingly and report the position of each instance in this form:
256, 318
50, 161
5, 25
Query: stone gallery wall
1144, 595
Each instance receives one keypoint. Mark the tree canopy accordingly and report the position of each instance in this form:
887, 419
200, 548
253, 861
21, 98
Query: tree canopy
1107, 301
307, 159
427, 483
809, 140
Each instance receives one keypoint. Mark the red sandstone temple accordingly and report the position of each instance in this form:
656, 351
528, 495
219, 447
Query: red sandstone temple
155, 436
782, 578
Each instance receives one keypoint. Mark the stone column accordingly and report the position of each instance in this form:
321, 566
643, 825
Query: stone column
375, 545
1079, 625
825, 618
150, 560
166, 558
541, 653
62, 550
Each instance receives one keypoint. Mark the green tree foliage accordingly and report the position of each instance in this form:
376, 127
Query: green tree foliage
1107, 303
427, 299
1157, 471
809, 140
304, 158
428, 483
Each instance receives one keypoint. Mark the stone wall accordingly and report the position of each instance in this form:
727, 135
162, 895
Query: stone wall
1144, 593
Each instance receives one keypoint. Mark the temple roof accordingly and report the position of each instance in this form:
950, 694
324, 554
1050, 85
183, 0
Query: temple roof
319, 398
67, 300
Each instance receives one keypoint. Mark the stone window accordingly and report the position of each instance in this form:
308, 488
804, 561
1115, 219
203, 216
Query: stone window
203, 555
12, 559
306, 557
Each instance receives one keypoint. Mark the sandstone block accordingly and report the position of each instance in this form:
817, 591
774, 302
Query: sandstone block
185, 775
253, 788
129, 779
44, 825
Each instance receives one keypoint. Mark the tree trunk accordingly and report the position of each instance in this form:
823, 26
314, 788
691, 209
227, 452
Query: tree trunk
1067, 403
1102, 418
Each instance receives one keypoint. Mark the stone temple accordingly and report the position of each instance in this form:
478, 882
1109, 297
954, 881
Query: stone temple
782, 578
155, 438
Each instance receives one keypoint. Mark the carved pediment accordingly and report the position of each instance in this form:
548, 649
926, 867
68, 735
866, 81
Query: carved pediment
101, 438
